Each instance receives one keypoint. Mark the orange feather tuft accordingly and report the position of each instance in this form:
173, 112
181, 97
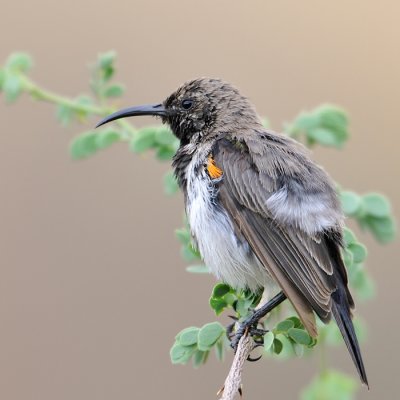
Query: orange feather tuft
212, 169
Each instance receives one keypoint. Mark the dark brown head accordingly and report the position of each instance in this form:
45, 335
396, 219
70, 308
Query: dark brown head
198, 109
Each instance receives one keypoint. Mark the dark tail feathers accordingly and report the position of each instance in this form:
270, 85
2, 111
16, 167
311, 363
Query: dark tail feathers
341, 312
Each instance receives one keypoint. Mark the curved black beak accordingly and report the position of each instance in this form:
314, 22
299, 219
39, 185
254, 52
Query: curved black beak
148, 109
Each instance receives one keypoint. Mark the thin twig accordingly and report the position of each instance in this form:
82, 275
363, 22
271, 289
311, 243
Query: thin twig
39, 93
233, 382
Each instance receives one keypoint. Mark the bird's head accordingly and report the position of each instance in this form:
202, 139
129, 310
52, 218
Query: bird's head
198, 109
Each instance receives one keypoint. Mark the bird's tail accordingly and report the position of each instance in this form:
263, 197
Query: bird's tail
342, 314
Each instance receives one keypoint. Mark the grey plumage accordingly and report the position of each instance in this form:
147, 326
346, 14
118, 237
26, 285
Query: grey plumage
261, 212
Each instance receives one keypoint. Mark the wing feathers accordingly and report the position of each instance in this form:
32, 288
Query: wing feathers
268, 258
300, 263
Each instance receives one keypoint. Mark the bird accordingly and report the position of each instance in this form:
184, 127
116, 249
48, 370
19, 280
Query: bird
262, 213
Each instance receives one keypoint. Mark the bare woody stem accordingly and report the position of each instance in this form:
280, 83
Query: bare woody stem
233, 382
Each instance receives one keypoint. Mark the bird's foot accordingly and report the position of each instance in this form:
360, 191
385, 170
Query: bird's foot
250, 326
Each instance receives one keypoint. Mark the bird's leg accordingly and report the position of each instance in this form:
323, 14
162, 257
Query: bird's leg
250, 324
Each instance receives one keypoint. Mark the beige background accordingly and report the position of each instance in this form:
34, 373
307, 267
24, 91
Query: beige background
92, 288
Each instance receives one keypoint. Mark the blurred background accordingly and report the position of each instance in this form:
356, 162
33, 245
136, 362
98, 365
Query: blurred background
88, 307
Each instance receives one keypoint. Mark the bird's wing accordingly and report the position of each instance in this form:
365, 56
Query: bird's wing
301, 263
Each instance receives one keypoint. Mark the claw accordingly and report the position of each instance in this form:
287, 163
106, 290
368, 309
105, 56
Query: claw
250, 359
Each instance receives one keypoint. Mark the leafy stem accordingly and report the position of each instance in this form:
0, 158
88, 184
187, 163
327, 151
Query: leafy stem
39, 93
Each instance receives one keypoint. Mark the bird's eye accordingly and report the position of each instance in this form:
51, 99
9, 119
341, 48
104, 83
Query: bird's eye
186, 104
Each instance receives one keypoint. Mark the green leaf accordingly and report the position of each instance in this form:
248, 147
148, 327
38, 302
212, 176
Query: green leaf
84, 145
165, 137
199, 357
348, 258
359, 252
183, 235
298, 349
12, 87
19, 62
115, 90
177, 352
348, 236
278, 346
376, 205
82, 114
189, 253
331, 385
284, 326
220, 290
198, 269
188, 336
84, 100
323, 136
219, 349
305, 121
287, 350
268, 340
143, 140
181, 354
297, 322
65, 114
170, 183
165, 153
106, 65
218, 305
209, 334
300, 336
106, 138
326, 125
351, 202
107, 59
383, 229
242, 306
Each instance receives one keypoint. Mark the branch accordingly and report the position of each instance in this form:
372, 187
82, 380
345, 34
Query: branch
39, 93
233, 382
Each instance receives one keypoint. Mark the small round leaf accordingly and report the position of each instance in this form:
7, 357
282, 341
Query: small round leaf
285, 325
143, 140
188, 336
268, 340
300, 336
221, 290
209, 334
198, 269
177, 353
278, 346
351, 202
376, 205
115, 90
359, 252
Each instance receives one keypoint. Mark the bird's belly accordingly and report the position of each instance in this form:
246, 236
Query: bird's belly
228, 256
